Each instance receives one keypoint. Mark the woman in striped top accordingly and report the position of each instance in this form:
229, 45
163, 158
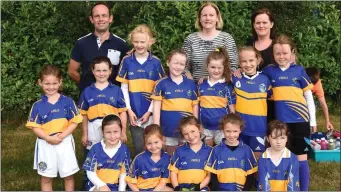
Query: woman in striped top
199, 44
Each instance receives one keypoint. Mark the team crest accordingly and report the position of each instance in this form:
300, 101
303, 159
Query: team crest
42, 166
262, 87
294, 80
220, 93
238, 84
286, 174
150, 74
87, 160
189, 93
242, 163
112, 99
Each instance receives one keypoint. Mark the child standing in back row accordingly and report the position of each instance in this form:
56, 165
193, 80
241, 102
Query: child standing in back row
215, 93
53, 119
138, 74
294, 103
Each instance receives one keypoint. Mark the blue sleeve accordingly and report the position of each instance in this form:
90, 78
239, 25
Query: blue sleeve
231, 97
134, 169
161, 71
305, 80
174, 164
194, 92
158, 91
211, 165
72, 110
90, 161
127, 160
263, 176
294, 184
121, 104
251, 166
266, 71
77, 51
34, 119
165, 172
123, 72
83, 104
269, 87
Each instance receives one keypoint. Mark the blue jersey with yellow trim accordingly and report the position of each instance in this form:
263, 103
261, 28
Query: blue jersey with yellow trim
177, 102
214, 101
107, 169
288, 87
231, 167
251, 94
96, 103
141, 79
189, 165
281, 177
53, 118
146, 173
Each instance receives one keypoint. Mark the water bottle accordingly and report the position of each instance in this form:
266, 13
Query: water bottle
315, 145
329, 134
324, 145
331, 144
337, 143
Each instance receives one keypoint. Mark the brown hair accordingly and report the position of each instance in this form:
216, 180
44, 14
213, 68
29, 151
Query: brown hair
284, 39
177, 51
271, 18
220, 53
232, 118
99, 3
219, 24
50, 70
101, 59
253, 49
143, 28
189, 120
277, 127
313, 73
152, 129
111, 119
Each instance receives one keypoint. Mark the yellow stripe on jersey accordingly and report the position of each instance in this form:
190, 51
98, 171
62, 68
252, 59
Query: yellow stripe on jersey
309, 85
299, 112
191, 176
108, 175
278, 185
147, 183
141, 85
178, 104
289, 94
55, 126
231, 175
101, 110
251, 107
122, 80
213, 102
260, 95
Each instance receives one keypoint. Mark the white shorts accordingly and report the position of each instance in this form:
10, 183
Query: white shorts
217, 135
95, 133
51, 159
174, 141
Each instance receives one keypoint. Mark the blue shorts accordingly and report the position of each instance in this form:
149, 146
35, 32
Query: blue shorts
256, 143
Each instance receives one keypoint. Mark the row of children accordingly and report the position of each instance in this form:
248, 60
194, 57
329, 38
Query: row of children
54, 117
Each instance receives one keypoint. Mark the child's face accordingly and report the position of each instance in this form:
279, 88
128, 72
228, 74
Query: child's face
154, 144
50, 84
101, 72
262, 25
231, 133
248, 62
112, 134
215, 69
208, 18
282, 54
141, 42
277, 142
191, 133
177, 64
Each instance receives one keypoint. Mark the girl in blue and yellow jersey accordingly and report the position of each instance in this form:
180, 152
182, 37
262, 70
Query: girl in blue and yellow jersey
188, 161
108, 161
278, 168
174, 97
138, 74
252, 91
149, 170
232, 160
215, 93
53, 119
294, 103
98, 100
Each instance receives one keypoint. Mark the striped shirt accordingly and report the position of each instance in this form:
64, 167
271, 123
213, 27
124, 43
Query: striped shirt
198, 49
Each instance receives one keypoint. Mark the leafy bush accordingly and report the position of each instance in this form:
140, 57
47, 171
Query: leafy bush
38, 33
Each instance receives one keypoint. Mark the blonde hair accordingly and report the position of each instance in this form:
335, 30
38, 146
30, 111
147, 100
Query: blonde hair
253, 49
142, 28
219, 24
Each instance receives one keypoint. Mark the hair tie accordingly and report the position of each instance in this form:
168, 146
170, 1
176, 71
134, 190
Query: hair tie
217, 50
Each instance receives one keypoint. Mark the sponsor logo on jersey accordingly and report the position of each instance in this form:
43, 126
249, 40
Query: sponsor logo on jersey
130, 73
257, 148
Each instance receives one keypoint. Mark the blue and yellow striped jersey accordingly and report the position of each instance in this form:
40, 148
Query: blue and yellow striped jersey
281, 177
53, 118
214, 101
231, 167
189, 165
107, 169
146, 173
177, 102
252, 93
96, 103
288, 87
141, 80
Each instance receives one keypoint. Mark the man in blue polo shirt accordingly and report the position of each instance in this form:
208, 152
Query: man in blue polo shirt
99, 43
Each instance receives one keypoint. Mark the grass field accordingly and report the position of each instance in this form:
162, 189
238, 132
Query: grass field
17, 174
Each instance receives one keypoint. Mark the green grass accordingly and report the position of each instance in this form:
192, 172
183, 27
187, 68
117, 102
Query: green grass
17, 146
